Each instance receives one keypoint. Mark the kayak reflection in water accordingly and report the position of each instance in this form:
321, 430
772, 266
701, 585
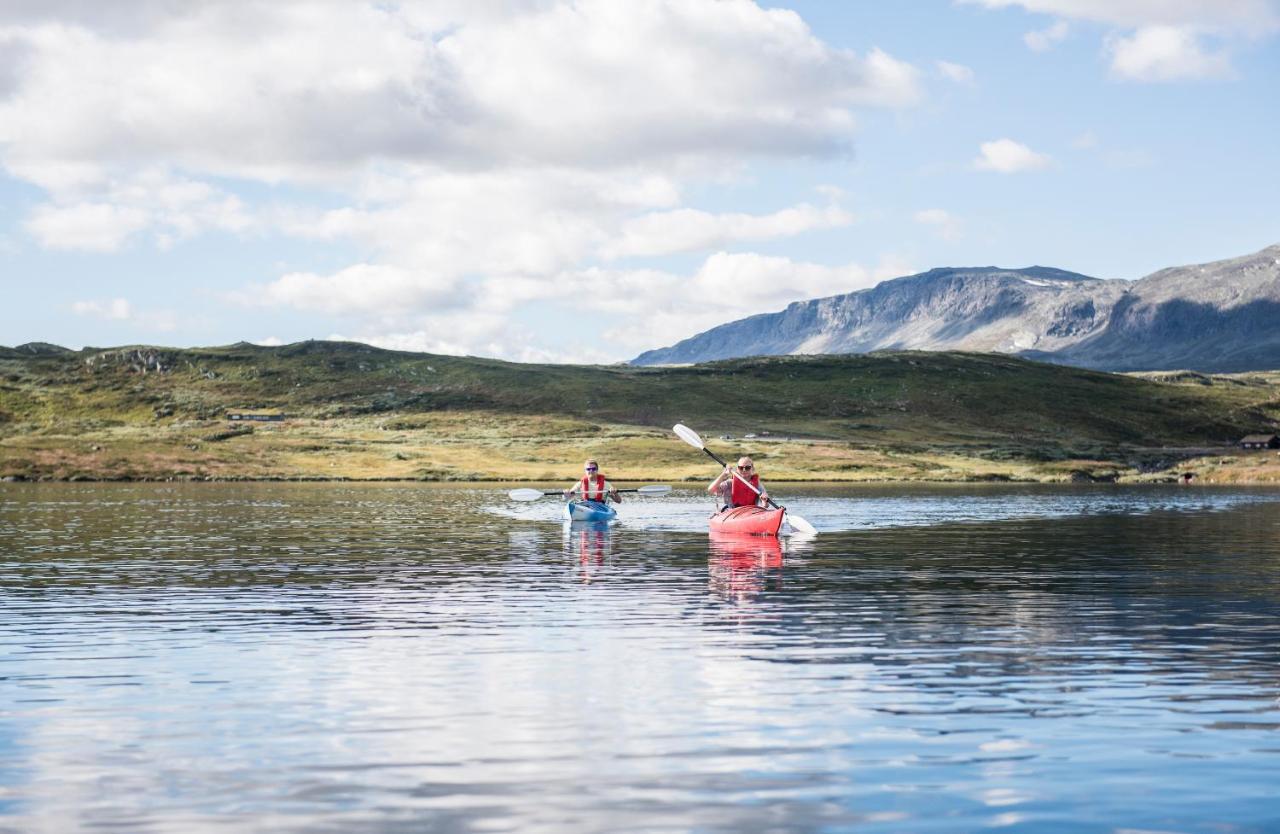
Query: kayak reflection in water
732, 492
742, 567
591, 543
593, 486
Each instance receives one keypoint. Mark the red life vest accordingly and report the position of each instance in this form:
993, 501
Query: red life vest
742, 496
588, 493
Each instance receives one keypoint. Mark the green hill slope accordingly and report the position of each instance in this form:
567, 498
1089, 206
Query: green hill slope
150, 412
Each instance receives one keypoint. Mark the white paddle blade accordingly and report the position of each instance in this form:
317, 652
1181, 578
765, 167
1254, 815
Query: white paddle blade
688, 435
525, 494
800, 525
654, 489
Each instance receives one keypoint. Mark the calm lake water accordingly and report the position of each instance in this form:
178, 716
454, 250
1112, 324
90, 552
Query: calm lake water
226, 657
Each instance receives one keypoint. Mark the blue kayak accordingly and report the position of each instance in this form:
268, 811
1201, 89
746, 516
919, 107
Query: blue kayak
589, 511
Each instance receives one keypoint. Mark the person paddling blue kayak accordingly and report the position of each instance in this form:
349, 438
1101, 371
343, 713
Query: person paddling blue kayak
596, 492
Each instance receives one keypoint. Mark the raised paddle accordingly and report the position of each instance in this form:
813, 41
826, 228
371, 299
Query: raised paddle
535, 494
691, 437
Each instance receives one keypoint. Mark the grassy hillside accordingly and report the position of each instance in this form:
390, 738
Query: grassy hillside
361, 412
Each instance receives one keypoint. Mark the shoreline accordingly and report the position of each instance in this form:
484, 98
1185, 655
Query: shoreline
1149, 479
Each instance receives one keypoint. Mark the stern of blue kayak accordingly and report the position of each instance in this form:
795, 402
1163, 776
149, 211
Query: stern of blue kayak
589, 511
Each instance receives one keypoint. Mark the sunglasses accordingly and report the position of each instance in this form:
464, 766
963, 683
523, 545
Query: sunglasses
746, 468
591, 469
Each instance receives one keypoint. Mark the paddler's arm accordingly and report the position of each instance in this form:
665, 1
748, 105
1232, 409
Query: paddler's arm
577, 485
613, 493
715, 485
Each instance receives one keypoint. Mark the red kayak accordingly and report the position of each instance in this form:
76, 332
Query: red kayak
760, 521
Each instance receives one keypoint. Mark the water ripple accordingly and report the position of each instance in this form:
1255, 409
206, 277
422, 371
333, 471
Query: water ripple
400, 658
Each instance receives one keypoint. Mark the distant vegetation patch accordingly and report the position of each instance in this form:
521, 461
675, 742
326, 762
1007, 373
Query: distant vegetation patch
227, 434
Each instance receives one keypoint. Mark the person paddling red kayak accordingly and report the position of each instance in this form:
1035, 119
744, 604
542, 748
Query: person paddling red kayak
750, 518
743, 502
735, 492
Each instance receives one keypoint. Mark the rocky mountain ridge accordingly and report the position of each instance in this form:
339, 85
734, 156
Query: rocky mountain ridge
1216, 317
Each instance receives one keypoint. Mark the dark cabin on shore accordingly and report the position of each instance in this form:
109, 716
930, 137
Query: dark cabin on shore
1260, 441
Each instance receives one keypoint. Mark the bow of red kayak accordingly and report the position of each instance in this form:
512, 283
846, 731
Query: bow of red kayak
759, 521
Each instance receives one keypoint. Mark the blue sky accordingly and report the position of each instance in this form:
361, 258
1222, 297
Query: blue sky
583, 181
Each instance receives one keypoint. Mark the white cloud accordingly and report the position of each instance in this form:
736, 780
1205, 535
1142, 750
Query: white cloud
97, 227
308, 91
120, 310
270, 341
472, 154
1006, 156
624, 311
958, 73
117, 309
489, 336
664, 307
1165, 53
1160, 40
688, 230
1242, 15
1042, 40
944, 222
524, 221
359, 290
171, 207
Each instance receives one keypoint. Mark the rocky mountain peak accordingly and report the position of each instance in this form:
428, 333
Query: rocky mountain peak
1219, 316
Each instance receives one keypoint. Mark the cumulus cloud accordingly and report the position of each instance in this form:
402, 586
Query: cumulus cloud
471, 154
1218, 14
655, 307
96, 227
120, 310
665, 307
499, 222
1157, 40
489, 335
170, 207
117, 309
362, 289
1165, 53
688, 230
1042, 40
312, 90
1006, 156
